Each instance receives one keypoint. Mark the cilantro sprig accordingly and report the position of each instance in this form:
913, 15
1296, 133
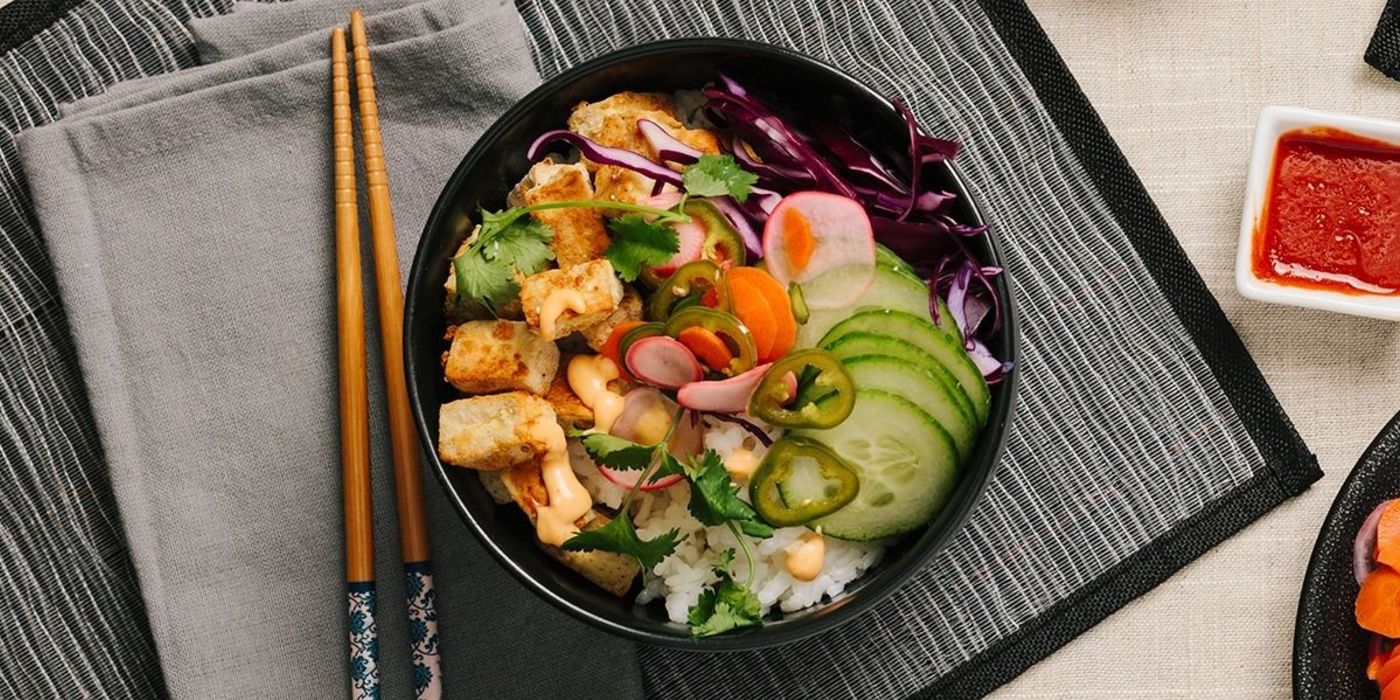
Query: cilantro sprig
637, 242
727, 605
508, 244
714, 500
717, 175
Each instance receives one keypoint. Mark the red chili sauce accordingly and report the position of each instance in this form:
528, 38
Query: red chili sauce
1332, 216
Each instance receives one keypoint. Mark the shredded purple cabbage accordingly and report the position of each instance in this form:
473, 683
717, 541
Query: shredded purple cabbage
604, 155
789, 154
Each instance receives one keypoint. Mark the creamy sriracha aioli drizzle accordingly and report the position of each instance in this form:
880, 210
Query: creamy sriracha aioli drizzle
555, 304
806, 556
568, 500
588, 377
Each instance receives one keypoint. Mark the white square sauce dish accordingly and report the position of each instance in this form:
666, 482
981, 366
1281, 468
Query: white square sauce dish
1321, 221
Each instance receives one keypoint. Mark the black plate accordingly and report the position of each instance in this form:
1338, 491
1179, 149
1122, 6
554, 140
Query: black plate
1329, 649
492, 168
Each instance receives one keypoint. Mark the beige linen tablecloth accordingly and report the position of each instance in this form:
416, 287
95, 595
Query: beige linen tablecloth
1179, 84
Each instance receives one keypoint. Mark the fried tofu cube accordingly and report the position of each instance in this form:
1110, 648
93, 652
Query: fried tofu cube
610, 571
491, 356
592, 284
495, 486
579, 234
494, 431
629, 309
571, 411
614, 121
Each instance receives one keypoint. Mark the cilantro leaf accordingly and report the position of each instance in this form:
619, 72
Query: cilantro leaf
488, 281
715, 175
724, 607
616, 452
524, 244
621, 537
714, 498
637, 242
669, 466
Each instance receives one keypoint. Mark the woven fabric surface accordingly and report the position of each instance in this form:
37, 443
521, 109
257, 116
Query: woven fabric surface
1180, 86
931, 55
73, 620
1384, 51
1123, 431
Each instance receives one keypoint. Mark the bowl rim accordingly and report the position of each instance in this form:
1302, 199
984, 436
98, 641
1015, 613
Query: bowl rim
766, 636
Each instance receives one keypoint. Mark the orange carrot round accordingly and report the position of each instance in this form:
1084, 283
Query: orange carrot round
798, 241
708, 347
1389, 671
779, 303
1391, 691
752, 309
612, 347
1388, 536
1378, 603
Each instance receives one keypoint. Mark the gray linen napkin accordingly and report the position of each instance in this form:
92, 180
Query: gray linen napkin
391, 21
191, 236
255, 25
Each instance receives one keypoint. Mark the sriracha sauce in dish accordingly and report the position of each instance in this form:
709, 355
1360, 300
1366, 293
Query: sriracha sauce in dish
1332, 217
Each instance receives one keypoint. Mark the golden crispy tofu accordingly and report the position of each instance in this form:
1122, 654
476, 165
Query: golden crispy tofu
610, 571
597, 287
495, 486
491, 356
568, 407
579, 234
629, 309
493, 431
613, 122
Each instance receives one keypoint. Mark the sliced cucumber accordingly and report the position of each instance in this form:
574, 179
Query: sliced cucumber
913, 329
906, 461
888, 290
939, 396
886, 257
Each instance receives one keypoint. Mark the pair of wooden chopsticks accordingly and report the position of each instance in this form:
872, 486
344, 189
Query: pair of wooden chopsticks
354, 410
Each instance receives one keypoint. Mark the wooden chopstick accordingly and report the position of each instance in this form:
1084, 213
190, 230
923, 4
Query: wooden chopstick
408, 484
354, 392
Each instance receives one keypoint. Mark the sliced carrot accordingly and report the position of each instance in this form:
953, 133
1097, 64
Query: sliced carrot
798, 241
779, 303
1389, 671
1377, 653
612, 347
1388, 536
708, 347
1378, 603
752, 309
1391, 691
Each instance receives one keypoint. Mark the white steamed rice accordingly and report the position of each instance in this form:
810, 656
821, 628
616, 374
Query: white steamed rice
681, 577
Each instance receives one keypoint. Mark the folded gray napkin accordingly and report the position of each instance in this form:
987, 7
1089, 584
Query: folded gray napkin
190, 230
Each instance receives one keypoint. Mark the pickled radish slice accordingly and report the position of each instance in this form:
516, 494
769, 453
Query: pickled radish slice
811, 234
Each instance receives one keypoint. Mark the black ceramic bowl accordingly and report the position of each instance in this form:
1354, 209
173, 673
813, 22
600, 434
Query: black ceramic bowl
487, 174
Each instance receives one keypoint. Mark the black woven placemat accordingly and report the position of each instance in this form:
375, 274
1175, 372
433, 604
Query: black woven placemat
1036, 154
1384, 51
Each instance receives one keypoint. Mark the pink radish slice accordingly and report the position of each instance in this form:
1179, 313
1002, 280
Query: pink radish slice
842, 238
626, 479
691, 237
663, 362
725, 395
688, 439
